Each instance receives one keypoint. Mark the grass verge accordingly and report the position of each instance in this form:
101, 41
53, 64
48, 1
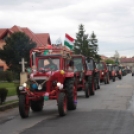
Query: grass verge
11, 87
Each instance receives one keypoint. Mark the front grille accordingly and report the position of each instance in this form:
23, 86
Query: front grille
39, 82
90, 79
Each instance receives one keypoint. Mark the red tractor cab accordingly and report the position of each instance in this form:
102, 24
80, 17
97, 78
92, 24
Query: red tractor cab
111, 71
118, 71
93, 75
104, 75
49, 79
83, 81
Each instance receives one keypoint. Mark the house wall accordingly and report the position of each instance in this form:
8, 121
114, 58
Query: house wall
2, 63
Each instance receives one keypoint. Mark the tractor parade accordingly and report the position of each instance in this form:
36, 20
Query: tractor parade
56, 73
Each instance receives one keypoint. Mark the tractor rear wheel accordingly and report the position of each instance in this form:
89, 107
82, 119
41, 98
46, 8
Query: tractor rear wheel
105, 80
98, 84
37, 106
71, 94
23, 108
113, 78
87, 91
120, 77
62, 104
92, 89
108, 81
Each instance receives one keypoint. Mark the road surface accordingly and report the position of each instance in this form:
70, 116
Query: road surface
110, 111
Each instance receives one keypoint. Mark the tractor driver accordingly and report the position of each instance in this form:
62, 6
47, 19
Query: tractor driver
48, 64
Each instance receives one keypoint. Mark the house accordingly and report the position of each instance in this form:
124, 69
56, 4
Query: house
40, 39
127, 62
103, 57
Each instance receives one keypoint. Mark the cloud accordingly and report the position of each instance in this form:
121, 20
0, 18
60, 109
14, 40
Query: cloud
111, 20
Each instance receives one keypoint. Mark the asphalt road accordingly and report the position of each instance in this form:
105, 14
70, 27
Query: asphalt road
110, 111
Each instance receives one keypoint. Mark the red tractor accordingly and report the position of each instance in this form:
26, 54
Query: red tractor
92, 73
118, 71
104, 75
112, 72
84, 79
50, 79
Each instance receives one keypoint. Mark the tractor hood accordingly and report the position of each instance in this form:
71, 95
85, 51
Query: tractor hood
59, 75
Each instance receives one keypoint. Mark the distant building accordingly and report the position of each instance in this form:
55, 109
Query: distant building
40, 39
103, 57
127, 62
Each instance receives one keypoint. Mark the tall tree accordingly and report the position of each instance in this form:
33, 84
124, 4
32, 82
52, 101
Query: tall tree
94, 46
81, 45
18, 45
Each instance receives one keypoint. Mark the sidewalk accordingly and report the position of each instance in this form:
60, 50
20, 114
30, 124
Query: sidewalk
10, 105
11, 98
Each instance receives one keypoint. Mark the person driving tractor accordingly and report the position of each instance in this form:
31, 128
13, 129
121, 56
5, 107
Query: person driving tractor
48, 64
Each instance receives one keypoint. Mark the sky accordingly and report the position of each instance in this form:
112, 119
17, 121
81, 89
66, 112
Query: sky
111, 20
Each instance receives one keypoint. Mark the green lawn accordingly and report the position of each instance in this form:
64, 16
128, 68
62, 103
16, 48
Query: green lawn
11, 87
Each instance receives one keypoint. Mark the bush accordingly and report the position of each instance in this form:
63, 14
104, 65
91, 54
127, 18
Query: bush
3, 94
2, 76
9, 76
17, 91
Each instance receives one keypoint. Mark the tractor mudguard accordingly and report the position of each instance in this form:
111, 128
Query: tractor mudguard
69, 74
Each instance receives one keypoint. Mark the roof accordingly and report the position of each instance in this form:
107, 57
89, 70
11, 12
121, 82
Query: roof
41, 39
2, 32
127, 60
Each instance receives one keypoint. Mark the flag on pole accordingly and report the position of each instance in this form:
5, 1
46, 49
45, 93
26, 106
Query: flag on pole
69, 42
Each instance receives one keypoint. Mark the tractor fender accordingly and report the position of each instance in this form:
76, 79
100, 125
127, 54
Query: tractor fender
69, 74
113, 74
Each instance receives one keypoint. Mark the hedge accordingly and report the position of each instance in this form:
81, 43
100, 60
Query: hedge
8, 76
3, 94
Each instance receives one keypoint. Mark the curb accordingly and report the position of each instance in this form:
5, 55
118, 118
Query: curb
9, 106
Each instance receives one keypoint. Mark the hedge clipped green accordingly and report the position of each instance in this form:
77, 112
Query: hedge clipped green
3, 94
8, 76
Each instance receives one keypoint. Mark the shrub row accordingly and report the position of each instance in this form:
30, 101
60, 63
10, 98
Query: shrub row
8, 76
3, 94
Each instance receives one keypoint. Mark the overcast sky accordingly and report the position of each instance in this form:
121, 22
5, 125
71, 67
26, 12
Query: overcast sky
111, 20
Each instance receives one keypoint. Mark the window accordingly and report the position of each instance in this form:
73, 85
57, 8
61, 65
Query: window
90, 65
78, 64
49, 62
1, 68
100, 66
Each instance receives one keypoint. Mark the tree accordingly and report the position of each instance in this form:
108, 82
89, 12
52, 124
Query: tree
18, 45
110, 61
94, 46
81, 45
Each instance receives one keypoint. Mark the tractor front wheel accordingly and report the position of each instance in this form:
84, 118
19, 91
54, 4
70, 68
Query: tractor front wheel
71, 94
87, 91
92, 89
62, 104
23, 107
37, 106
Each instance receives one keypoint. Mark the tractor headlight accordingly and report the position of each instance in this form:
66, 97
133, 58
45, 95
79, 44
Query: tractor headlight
24, 84
60, 85
21, 88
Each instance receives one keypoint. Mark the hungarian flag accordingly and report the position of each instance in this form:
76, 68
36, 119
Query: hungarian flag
69, 42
